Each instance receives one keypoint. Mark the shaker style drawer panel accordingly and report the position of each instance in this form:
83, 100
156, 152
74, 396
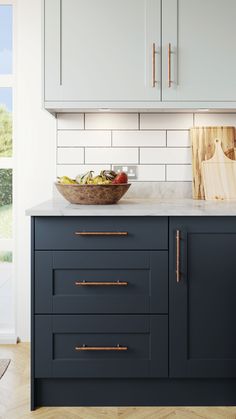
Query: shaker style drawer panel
101, 282
85, 233
101, 346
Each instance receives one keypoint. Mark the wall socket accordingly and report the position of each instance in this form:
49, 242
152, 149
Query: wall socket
131, 171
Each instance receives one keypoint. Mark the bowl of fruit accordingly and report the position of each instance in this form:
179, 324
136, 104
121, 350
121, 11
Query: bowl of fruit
106, 188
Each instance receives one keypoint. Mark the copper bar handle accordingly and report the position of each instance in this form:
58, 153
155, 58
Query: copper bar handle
101, 284
101, 233
101, 348
177, 255
154, 65
169, 65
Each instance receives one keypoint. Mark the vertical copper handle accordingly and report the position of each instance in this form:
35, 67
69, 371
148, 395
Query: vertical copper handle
177, 255
154, 65
169, 65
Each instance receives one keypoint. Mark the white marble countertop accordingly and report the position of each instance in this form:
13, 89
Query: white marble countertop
137, 207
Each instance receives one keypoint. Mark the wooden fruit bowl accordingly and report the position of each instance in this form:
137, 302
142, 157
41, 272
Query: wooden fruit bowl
93, 194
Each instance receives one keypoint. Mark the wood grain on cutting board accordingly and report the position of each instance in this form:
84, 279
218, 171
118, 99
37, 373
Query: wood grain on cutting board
219, 176
203, 148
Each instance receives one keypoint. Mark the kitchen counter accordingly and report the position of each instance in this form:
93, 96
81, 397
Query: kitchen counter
137, 207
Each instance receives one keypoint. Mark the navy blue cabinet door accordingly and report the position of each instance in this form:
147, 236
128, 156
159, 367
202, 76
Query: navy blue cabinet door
101, 282
90, 233
86, 346
203, 302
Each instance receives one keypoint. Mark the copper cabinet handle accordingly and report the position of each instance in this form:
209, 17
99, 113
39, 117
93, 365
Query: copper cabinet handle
101, 233
169, 65
101, 348
178, 256
102, 284
154, 65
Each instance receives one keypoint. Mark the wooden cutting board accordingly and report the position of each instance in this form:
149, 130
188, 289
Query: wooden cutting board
202, 139
219, 176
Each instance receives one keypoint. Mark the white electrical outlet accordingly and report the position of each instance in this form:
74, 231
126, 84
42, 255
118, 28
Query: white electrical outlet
131, 171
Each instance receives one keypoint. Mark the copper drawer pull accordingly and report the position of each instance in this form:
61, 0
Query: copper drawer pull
101, 348
169, 65
178, 256
154, 65
103, 284
101, 233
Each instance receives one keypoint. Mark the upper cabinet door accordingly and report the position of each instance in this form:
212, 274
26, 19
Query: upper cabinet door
102, 50
199, 60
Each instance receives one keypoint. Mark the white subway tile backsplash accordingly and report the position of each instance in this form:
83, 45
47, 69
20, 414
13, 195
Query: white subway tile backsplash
111, 121
111, 155
76, 138
70, 155
178, 139
72, 170
158, 143
165, 155
166, 121
179, 172
139, 138
151, 173
209, 119
70, 121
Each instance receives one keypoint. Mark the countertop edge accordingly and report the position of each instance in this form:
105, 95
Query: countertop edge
136, 208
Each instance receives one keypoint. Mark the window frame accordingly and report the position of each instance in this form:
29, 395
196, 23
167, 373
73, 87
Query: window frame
8, 334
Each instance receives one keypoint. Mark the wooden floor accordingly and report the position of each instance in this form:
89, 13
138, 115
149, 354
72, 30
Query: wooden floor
14, 399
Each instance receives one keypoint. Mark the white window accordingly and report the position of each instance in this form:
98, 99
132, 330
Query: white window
7, 317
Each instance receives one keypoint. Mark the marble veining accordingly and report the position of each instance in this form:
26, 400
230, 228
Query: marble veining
137, 207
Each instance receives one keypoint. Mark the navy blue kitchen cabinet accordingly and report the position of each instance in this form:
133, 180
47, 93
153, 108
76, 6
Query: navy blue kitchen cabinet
133, 311
98, 233
101, 346
101, 282
203, 297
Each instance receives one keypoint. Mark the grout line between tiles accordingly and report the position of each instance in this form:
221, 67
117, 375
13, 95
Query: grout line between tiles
56, 140
124, 129
141, 164
125, 163
125, 148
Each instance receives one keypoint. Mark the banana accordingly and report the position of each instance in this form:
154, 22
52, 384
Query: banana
85, 179
65, 180
104, 178
101, 180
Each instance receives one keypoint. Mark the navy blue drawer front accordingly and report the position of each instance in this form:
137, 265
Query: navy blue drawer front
101, 346
98, 233
101, 282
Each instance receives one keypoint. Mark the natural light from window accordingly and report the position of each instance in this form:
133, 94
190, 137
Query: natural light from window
6, 167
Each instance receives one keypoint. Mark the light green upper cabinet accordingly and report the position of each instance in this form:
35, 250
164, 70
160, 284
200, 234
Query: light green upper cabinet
139, 54
199, 50
101, 51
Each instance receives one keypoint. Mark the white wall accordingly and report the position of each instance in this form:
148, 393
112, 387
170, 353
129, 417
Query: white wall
35, 136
